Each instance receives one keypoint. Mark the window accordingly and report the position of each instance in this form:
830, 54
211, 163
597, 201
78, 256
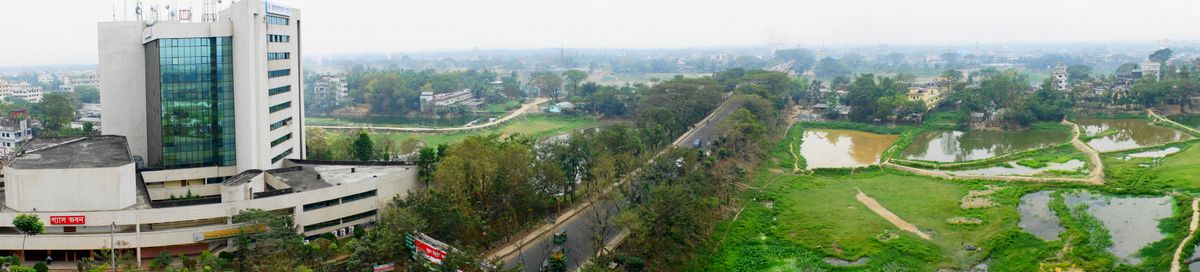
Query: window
281, 123
279, 90
358, 216
358, 196
278, 55
276, 20
196, 91
279, 73
278, 38
281, 106
322, 225
216, 180
281, 139
281, 155
321, 204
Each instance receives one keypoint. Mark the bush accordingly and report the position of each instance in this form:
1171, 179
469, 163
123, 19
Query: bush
41, 267
188, 262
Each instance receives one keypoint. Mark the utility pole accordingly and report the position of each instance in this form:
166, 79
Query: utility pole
112, 237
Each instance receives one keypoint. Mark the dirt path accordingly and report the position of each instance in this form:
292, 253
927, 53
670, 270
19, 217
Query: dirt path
891, 217
1157, 117
524, 108
795, 158
1097, 174
1175, 265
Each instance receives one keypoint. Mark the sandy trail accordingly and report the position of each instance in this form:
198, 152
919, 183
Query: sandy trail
891, 217
1175, 265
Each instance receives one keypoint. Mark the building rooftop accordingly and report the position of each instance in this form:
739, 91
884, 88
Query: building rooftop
78, 152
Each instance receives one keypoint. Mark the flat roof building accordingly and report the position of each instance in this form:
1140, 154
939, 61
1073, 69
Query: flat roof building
203, 121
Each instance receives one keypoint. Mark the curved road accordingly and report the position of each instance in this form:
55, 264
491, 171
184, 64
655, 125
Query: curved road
524, 108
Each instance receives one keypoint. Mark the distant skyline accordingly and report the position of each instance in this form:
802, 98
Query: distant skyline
53, 32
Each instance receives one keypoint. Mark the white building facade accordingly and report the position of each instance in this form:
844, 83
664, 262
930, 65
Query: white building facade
202, 121
211, 94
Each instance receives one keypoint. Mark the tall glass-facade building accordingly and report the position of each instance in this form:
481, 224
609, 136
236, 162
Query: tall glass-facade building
194, 114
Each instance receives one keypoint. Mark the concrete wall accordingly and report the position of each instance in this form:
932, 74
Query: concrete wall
251, 99
188, 173
122, 83
399, 180
80, 189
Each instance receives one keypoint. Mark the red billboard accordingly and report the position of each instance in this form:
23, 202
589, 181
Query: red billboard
68, 220
432, 253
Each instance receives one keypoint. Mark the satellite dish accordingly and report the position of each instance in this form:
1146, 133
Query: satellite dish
153, 18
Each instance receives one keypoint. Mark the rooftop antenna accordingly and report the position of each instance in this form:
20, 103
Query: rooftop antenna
210, 11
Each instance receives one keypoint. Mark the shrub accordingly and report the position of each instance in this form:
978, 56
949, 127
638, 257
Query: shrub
41, 267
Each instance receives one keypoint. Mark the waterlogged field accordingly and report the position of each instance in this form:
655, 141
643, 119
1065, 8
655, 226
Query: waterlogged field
814, 222
837, 148
1106, 135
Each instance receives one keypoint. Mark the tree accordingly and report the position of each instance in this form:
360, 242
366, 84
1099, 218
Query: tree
549, 83
57, 110
427, 158
316, 145
574, 77
1161, 56
387, 244
831, 68
953, 75
88, 94
28, 224
267, 241
364, 149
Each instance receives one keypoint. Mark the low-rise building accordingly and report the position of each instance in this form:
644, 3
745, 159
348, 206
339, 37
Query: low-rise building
14, 130
25, 91
89, 189
931, 96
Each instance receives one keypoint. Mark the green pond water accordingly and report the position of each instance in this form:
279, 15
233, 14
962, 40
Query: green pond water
1122, 134
959, 146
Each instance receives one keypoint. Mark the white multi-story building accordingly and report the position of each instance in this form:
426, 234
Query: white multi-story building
203, 121
334, 85
1061, 78
211, 94
14, 130
70, 82
24, 91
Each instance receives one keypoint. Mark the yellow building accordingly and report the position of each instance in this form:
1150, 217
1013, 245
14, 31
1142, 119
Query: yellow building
930, 95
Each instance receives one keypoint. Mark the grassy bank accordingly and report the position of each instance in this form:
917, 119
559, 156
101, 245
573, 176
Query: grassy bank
1176, 171
535, 125
818, 216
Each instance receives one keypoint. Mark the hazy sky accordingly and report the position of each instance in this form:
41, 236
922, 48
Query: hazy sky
43, 32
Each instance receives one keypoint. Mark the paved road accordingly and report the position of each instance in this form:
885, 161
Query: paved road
582, 222
706, 130
580, 245
524, 108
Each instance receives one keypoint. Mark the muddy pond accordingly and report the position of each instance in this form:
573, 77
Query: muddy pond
1122, 134
836, 148
1131, 221
959, 146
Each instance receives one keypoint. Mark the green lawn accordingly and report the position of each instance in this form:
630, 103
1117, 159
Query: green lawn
1174, 172
819, 216
535, 125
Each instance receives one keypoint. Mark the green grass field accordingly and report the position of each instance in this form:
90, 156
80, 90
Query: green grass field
819, 216
1176, 171
534, 125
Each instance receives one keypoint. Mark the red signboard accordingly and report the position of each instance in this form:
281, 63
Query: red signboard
385, 267
432, 253
68, 220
